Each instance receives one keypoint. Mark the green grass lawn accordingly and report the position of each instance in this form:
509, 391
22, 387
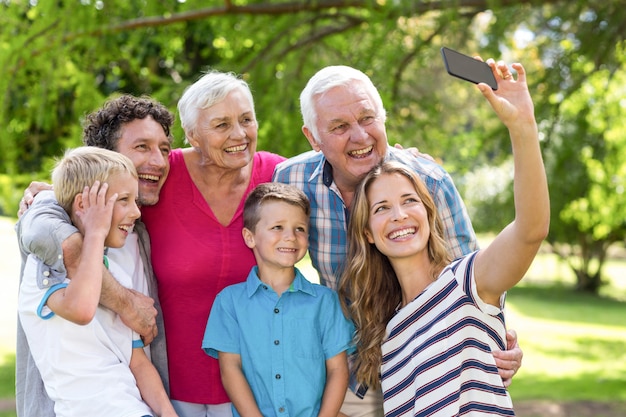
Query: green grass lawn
7, 380
7, 375
574, 344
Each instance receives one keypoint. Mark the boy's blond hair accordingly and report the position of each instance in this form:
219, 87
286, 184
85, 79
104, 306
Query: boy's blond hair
81, 167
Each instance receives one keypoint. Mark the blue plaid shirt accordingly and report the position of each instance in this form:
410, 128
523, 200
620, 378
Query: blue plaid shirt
328, 233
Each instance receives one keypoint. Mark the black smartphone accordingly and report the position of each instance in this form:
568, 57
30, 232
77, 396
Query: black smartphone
467, 68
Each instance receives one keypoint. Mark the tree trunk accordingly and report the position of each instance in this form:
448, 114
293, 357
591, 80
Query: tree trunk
586, 282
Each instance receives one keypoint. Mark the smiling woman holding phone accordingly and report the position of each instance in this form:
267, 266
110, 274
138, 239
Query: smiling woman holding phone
427, 325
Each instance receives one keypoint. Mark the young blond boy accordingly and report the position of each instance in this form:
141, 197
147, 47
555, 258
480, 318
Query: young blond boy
91, 363
281, 341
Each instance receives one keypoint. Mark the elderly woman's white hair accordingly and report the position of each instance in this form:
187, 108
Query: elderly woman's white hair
328, 78
210, 89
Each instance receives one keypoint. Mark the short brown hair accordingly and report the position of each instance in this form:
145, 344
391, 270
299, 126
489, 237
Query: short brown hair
272, 191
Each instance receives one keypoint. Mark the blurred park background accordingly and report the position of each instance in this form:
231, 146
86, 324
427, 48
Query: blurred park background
62, 59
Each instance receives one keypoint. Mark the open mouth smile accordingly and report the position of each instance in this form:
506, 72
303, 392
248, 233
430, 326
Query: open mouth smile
361, 153
399, 234
149, 177
238, 148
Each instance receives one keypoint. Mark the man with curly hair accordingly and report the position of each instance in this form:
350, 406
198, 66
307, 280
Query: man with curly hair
139, 128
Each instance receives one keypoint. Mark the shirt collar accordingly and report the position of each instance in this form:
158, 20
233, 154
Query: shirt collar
300, 283
327, 170
320, 167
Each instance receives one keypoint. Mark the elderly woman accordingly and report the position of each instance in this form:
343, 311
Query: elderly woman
195, 229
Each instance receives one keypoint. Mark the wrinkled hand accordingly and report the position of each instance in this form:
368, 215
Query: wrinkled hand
141, 316
414, 151
509, 361
29, 195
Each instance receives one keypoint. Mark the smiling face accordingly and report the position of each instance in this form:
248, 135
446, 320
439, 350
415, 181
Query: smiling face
125, 210
280, 238
352, 136
226, 133
398, 220
148, 147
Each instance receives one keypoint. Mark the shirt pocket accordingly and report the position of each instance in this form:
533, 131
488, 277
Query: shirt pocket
305, 338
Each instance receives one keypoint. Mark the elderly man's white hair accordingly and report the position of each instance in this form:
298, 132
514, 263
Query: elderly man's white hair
326, 79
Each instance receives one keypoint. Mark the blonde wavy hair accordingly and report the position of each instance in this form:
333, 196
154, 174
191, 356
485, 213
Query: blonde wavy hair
369, 289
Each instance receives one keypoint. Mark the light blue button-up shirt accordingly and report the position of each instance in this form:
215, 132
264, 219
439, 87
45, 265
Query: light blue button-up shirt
284, 341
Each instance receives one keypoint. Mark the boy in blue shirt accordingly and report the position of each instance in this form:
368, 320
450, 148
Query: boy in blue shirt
281, 341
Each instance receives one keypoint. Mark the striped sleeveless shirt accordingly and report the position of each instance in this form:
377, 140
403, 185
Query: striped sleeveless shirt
437, 357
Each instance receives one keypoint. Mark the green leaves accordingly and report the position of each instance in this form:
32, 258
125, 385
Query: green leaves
62, 59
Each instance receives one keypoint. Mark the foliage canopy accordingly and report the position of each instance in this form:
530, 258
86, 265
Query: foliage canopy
62, 59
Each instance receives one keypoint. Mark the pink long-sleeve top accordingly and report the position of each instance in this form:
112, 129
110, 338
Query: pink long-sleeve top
194, 257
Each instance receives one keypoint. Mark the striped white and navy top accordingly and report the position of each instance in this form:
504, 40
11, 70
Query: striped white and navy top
437, 357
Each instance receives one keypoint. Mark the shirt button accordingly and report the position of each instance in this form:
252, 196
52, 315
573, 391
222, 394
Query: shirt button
276, 311
277, 342
281, 410
60, 256
46, 273
265, 287
277, 376
45, 282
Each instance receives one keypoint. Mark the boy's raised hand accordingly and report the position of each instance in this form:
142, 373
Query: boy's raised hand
94, 211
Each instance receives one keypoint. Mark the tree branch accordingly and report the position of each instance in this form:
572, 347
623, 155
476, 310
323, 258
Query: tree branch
350, 23
229, 9
406, 9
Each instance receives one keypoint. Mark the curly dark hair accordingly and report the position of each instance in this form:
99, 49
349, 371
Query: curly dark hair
102, 128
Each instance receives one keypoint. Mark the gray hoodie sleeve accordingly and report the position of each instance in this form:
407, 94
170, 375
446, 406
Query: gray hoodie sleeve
42, 229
